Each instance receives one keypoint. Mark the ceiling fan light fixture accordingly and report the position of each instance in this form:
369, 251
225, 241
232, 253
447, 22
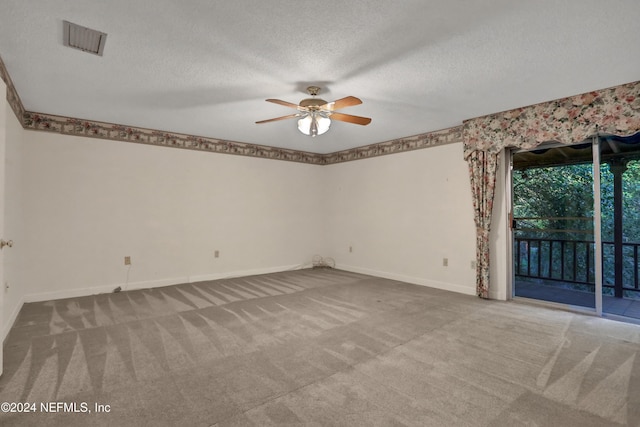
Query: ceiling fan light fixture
314, 124
315, 114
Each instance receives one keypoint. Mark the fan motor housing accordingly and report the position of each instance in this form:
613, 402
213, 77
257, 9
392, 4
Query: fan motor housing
312, 103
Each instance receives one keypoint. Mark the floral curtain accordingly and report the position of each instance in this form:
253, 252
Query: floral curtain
482, 172
613, 111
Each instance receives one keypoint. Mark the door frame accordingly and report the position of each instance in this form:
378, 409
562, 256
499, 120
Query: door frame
597, 222
597, 219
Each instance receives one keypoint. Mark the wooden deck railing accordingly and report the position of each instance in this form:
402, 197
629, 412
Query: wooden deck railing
572, 261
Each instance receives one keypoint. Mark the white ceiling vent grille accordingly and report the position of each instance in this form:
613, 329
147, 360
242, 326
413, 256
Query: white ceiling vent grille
84, 38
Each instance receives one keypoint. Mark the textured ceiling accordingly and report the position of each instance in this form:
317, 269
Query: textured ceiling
205, 67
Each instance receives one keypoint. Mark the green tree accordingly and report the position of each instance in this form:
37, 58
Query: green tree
561, 198
558, 198
631, 202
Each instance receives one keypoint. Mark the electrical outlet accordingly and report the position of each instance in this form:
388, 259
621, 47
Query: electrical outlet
473, 265
350, 248
445, 262
127, 260
216, 254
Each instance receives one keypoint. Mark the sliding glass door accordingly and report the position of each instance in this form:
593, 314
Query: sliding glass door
576, 233
554, 249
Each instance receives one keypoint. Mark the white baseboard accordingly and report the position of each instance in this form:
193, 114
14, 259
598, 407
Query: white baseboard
151, 284
410, 279
69, 293
244, 273
79, 292
104, 289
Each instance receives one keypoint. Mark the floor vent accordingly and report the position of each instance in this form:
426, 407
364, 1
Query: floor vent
83, 38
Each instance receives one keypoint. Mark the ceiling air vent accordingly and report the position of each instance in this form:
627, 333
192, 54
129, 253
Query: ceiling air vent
84, 38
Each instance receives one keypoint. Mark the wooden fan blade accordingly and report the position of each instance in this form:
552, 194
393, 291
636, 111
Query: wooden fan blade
285, 103
350, 119
348, 101
290, 116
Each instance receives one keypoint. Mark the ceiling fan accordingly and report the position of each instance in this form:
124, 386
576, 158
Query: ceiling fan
315, 114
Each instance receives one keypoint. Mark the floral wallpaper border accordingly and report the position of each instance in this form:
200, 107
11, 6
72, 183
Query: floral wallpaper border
416, 142
90, 128
78, 127
70, 126
12, 95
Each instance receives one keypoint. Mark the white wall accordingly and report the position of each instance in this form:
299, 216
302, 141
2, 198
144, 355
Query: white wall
77, 206
3, 137
88, 203
13, 286
402, 214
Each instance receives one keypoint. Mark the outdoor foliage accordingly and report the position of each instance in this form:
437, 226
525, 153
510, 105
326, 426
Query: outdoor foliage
631, 202
567, 191
557, 203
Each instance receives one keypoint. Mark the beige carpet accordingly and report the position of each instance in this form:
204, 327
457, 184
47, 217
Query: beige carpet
320, 348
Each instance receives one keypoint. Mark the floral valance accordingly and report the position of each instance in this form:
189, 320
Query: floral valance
611, 111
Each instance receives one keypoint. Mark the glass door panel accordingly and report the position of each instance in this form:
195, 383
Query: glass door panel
553, 234
620, 213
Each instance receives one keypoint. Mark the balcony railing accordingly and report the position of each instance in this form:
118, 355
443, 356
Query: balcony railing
572, 261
